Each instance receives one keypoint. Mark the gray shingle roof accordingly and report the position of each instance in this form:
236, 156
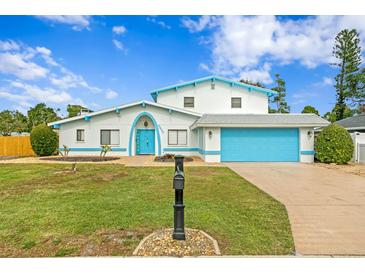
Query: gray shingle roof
357, 121
261, 119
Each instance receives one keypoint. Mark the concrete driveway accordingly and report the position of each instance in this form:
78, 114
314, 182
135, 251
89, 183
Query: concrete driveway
326, 207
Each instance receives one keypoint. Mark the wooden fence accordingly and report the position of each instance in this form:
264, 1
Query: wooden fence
15, 146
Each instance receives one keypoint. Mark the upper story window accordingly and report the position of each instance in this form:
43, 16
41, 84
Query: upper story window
109, 137
178, 137
236, 102
80, 135
188, 102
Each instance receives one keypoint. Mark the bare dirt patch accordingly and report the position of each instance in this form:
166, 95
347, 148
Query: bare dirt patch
80, 159
352, 168
100, 243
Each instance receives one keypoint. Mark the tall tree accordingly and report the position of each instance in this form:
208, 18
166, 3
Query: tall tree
12, 121
41, 114
74, 110
347, 51
358, 96
310, 109
331, 116
279, 99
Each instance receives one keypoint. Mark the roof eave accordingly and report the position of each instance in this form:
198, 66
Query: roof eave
268, 92
67, 120
255, 125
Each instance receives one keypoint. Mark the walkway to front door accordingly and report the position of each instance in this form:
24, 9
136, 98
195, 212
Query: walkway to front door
145, 141
325, 207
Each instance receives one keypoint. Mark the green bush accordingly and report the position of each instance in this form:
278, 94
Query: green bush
334, 145
44, 140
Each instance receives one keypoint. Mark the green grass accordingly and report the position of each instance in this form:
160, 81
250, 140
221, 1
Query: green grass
108, 209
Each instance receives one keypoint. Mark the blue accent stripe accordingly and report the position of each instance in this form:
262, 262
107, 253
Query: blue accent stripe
131, 134
307, 152
93, 149
56, 126
199, 150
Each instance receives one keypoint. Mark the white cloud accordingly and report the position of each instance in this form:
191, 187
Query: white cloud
326, 81
111, 94
119, 30
161, 23
78, 22
261, 75
203, 22
119, 45
240, 44
18, 65
9, 45
51, 82
47, 95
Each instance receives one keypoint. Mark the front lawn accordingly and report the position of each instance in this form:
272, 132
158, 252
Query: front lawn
108, 209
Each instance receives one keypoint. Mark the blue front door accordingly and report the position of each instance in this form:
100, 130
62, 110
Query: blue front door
145, 141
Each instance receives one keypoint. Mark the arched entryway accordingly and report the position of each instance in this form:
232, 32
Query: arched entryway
144, 136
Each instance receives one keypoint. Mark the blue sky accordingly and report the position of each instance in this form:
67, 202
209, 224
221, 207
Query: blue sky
105, 61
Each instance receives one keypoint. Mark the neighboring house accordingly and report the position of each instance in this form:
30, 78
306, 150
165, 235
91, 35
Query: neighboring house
353, 124
214, 118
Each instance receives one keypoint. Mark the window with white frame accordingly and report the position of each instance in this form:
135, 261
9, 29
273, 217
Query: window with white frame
109, 137
236, 102
80, 135
177, 137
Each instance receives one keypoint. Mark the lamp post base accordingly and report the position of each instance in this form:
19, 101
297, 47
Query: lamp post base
178, 235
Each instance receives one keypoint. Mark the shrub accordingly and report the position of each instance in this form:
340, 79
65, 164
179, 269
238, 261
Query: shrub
334, 145
44, 140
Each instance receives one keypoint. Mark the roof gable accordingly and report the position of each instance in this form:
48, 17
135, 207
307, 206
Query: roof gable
117, 109
212, 78
357, 121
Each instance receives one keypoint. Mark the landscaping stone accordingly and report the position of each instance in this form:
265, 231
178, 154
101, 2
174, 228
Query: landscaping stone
160, 243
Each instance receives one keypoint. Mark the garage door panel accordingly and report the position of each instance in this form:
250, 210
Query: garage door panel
260, 144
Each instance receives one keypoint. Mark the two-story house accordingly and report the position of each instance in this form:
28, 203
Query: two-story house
214, 118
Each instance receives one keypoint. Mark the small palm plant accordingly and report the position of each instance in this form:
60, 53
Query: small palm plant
104, 150
66, 150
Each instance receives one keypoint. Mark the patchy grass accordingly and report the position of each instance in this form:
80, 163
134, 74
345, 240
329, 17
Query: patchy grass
107, 209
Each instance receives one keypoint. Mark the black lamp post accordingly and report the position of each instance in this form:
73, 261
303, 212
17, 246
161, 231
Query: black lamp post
178, 185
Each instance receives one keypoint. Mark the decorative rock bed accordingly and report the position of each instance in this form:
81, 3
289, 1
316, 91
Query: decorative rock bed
80, 159
160, 243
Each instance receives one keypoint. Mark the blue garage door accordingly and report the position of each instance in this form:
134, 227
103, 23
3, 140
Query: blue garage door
259, 144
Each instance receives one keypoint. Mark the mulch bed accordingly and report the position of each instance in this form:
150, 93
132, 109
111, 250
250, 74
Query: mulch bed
160, 243
80, 159
170, 160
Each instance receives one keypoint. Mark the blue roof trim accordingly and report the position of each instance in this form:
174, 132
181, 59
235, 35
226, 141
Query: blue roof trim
232, 83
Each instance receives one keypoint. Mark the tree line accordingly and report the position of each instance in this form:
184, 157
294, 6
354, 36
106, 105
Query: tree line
16, 122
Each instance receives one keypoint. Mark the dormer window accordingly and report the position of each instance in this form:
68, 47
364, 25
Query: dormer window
236, 102
188, 102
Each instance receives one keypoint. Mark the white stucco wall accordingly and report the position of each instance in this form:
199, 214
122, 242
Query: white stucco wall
217, 100
123, 122
212, 145
306, 145
357, 138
